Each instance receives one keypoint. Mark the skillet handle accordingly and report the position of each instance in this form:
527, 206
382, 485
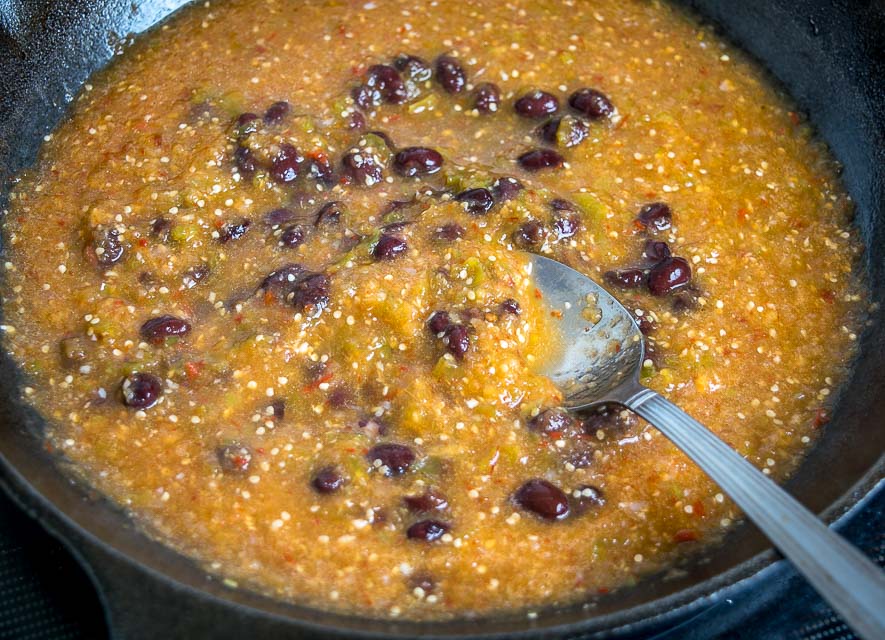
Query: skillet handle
842, 575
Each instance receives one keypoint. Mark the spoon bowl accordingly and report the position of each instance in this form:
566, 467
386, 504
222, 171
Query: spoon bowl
601, 363
605, 349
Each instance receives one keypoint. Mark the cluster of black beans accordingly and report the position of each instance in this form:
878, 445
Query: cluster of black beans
665, 273
402, 81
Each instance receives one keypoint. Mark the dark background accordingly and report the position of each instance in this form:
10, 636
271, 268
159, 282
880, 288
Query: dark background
45, 595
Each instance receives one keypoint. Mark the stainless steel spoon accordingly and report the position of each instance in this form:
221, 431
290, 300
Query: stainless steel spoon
601, 365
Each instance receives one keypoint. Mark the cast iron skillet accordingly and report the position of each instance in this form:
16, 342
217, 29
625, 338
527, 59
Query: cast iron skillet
830, 57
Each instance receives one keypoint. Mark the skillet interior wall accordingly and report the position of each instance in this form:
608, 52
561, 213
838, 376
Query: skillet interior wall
829, 55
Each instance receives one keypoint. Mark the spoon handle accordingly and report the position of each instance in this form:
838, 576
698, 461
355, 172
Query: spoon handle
852, 584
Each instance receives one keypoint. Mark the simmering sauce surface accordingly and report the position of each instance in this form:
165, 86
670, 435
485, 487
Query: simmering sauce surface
271, 297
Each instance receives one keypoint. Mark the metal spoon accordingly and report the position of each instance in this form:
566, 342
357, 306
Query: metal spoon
601, 364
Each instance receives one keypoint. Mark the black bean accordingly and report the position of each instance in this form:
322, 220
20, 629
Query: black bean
413, 67
439, 321
647, 325
107, 246
156, 330
539, 159
195, 275
293, 236
457, 340
511, 306
361, 168
655, 251
279, 216
286, 165
387, 82
567, 131
141, 390
234, 230
245, 161
607, 419
161, 227
430, 500
656, 216
281, 281
245, 124
427, 530
416, 161
329, 214
365, 97
543, 499
356, 121
389, 247
234, 458
591, 103
395, 458
310, 294
477, 201
506, 188
486, 97
530, 234
276, 112
319, 168
625, 278
586, 498
552, 420
536, 104
565, 225
327, 480
450, 232
669, 274
450, 74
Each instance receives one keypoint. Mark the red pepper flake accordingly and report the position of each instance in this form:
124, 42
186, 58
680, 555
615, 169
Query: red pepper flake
538, 294
686, 535
697, 508
821, 417
602, 590
193, 369
794, 118
142, 242
743, 214
828, 296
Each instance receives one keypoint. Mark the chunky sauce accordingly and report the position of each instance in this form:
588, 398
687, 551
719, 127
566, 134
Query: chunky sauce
270, 299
